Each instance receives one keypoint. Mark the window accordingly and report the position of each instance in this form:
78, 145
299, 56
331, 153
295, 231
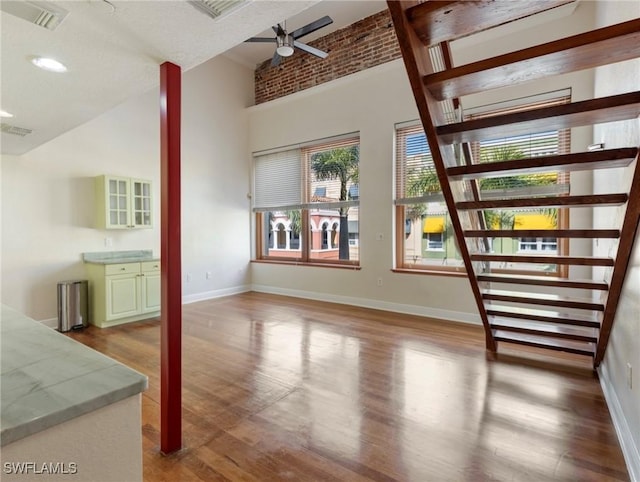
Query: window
421, 213
434, 241
544, 245
306, 203
422, 220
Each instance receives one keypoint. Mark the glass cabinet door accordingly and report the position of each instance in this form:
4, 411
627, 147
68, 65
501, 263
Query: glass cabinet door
118, 198
123, 203
141, 202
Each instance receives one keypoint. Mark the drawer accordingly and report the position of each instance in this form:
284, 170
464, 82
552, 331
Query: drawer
122, 268
150, 266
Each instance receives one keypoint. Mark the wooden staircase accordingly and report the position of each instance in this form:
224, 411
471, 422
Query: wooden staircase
540, 311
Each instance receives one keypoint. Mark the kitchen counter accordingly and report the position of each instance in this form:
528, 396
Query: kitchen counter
116, 257
48, 379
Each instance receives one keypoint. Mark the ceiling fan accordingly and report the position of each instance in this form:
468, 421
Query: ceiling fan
285, 42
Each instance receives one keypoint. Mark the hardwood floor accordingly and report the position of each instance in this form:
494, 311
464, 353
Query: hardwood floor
279, 388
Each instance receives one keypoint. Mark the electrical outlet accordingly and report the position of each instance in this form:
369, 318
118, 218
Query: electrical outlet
188, 277
379, 281
629, 376
108, 242
209, 275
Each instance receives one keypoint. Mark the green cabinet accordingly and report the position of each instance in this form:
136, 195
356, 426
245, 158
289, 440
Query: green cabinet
123, 292
123, 203
150, 286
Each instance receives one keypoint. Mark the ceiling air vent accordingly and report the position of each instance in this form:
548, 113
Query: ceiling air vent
16, 131
218, 8
43, 14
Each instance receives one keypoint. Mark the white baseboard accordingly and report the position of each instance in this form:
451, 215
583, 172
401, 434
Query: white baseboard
50, 323
209, 295
374, 304
629, 448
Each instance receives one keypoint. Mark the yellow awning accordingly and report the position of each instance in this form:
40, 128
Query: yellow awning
433, 225
533, 221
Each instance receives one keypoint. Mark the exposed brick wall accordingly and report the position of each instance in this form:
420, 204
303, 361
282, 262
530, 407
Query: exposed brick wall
369, 42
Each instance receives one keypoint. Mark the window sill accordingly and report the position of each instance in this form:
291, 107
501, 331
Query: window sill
537, 251
354, 267
431, 272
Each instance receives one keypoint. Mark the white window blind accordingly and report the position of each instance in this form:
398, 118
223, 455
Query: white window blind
416, 178
285, 180
529, 145
278, 180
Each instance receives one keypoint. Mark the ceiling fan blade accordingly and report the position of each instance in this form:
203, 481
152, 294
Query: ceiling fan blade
275, 61
312, 27
260, 39
310, 49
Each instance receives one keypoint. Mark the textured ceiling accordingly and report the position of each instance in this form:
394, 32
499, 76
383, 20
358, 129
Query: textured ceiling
111, 55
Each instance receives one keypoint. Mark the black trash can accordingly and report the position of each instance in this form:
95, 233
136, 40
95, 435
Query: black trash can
73, 305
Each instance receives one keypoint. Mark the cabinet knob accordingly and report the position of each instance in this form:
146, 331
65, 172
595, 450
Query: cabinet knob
123, 269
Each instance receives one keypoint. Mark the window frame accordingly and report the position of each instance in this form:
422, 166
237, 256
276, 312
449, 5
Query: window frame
539, 244
410, 128
307, 209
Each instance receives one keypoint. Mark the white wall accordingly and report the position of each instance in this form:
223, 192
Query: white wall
48, 195
105, 445
624, 344
371, 103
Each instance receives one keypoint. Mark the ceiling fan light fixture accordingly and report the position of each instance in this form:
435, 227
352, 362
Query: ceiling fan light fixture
285, 46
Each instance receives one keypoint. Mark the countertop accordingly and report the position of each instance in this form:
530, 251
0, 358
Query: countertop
116, 257
48, 378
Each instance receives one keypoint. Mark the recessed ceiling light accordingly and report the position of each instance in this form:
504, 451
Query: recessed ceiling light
4, 113
51, 65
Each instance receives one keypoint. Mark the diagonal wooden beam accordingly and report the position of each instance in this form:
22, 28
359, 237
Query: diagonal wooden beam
627, 239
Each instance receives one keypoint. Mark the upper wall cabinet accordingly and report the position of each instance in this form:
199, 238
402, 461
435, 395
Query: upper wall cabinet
123, 203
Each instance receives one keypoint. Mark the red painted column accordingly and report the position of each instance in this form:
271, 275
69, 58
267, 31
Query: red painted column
171, 263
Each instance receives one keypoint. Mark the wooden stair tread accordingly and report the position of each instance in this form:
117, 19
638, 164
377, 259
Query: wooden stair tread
435, 22
580, 161
570, 346
587, 284
419, 22
543, 233
549, 202
564, 116
545, 329
549, 316
543, 259
603, 46
541, 299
